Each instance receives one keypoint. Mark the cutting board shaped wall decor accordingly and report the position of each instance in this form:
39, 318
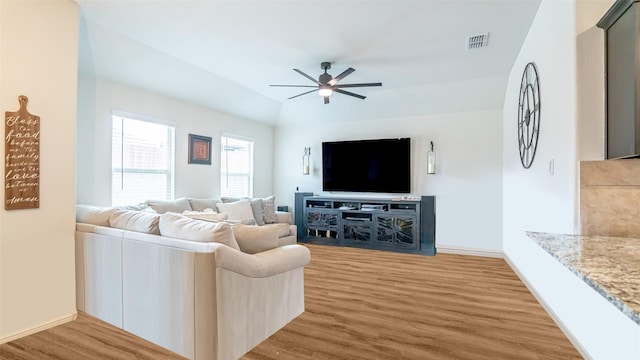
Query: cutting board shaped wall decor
22, 158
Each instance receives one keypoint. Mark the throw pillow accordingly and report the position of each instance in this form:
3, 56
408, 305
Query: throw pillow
176, 205
239, 210
136, 207
182, 227
255, 239
139, 221
227, 199
269, 209
193, 212
96, 215
258, 214
206, 216
201, 204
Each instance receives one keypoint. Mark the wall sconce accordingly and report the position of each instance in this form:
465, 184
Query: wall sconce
305, 161
431, 160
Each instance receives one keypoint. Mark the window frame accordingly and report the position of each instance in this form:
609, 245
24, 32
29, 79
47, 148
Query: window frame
224, 174
170, 153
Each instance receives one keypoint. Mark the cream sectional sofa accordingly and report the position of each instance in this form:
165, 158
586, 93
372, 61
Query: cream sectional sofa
205, 290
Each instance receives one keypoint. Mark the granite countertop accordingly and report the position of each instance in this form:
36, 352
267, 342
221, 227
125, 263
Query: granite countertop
610, 265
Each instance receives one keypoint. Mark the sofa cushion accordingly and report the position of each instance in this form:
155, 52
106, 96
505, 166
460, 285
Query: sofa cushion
202, 204
182, 227
287, 240
96, 215
140, 221
238, 210
255, 239
284, 217
176, 205
281, 228
248, 222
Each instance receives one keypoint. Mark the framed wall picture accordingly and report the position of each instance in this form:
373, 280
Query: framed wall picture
199, 149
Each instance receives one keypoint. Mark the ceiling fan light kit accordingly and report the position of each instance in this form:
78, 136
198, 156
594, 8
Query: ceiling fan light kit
326, 84
325, 91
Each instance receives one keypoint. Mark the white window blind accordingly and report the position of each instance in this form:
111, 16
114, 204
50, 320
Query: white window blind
236, 167
142, 160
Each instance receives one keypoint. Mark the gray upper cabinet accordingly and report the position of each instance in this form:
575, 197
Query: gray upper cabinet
622, 26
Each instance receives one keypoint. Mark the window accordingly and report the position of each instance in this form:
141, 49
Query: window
141, 160
236, 167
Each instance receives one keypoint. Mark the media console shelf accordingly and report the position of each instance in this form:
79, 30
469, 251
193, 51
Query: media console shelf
385, 224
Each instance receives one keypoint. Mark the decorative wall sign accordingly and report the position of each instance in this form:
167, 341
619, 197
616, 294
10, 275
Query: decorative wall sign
22, 158
199, 149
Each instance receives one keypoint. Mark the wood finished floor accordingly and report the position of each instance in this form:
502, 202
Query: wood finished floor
85, 338
364, 304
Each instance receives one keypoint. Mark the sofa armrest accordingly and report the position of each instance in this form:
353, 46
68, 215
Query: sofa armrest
284, 217
263, 264
284, 258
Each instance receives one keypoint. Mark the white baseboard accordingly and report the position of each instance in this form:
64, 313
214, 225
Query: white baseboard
548, 309
458, 250
41, 327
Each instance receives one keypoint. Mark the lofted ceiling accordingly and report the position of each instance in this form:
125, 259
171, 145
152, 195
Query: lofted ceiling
225, 54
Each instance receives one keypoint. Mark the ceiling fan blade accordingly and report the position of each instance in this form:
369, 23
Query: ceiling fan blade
326, 99
343, 75
357, 85
304, 93
307, 86
349, 93
307, 76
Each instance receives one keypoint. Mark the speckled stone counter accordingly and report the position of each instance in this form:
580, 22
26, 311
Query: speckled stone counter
610, 265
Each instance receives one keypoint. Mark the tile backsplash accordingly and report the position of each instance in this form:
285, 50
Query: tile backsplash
610, 197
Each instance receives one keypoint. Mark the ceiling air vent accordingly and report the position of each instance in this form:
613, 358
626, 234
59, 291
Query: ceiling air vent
477, 41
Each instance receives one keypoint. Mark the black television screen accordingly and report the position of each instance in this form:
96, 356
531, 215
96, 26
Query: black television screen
382, 165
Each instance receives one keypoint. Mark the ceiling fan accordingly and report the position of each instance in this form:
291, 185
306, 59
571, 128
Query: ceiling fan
327, 84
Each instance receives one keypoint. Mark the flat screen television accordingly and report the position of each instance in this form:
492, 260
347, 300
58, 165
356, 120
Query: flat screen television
381, 165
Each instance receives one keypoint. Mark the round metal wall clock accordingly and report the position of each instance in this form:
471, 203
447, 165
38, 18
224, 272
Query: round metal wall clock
529, 115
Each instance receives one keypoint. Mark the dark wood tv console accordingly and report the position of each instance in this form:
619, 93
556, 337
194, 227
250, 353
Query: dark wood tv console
403, 225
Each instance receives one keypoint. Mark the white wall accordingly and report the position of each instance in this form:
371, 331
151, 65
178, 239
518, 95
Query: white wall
99, 97
467, 185
38, 58
535, 201
591, 103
